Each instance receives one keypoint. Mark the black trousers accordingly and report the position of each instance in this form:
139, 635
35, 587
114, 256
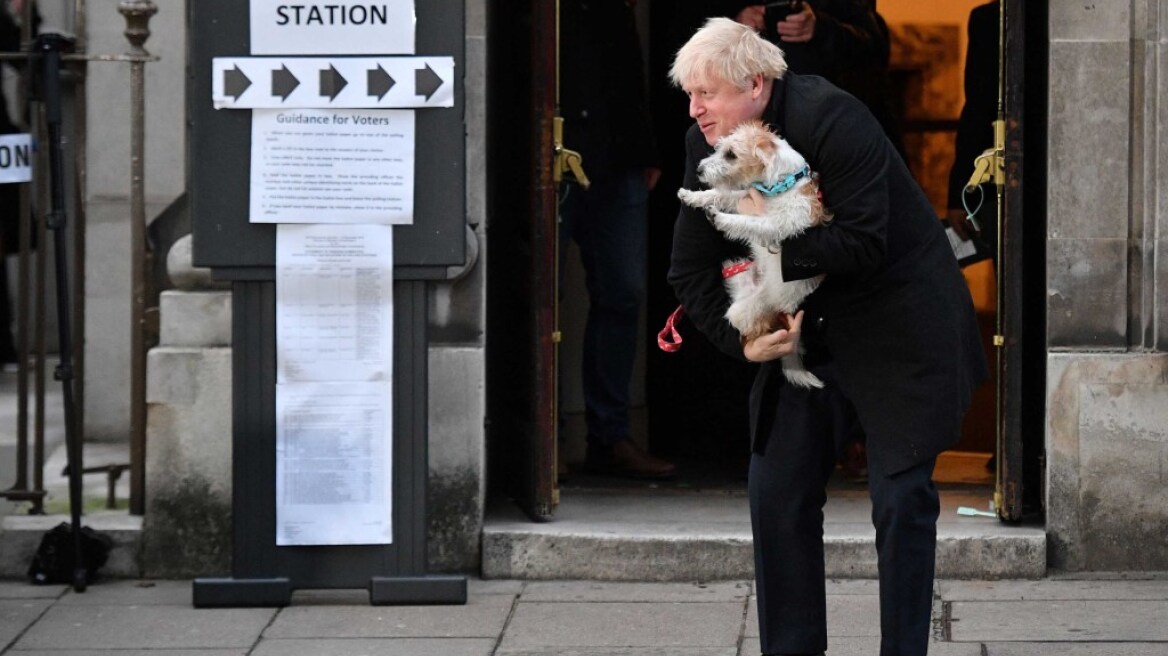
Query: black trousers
788, 477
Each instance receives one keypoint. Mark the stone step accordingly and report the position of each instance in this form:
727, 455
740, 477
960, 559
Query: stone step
20, 535
668, 536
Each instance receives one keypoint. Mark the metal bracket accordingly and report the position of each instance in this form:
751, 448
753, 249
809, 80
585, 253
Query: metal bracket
990, 166
567, 161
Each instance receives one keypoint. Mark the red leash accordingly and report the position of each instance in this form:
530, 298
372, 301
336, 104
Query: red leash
669, 340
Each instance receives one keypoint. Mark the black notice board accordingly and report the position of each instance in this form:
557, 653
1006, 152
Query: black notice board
219, 152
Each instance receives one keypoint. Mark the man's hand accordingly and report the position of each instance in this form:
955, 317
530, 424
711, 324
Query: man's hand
772, 346
959, 221
752, 16
798, 28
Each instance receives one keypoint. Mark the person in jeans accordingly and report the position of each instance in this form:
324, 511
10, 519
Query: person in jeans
606, 118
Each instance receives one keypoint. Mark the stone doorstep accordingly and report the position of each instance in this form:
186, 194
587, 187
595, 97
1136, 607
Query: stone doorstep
20, 535
538, 551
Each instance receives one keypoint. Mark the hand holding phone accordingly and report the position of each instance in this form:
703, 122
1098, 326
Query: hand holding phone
778, 10
792, 21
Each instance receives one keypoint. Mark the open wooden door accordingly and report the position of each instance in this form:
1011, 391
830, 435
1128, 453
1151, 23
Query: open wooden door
1020, 336
521, 264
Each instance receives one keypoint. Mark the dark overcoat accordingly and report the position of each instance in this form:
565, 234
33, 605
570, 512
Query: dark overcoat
894, 313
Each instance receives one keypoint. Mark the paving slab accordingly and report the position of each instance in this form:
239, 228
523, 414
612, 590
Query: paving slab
1070, 621
16, 615
543, 626
134, 652
82, 627
867, 646
482, 617
623, 651
597, 591
131, 593
847, 616
853, 587
1034, 590
373, 647
476, 586
20, 590
1072, 649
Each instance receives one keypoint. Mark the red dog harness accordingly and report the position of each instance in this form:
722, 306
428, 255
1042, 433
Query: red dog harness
669, 340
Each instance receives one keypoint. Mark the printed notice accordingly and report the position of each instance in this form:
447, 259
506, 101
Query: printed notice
332, 166
15, 158
334, 479
334, 303
338, 27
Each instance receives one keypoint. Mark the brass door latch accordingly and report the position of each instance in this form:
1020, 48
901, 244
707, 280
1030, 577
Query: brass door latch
990, 166
567, 161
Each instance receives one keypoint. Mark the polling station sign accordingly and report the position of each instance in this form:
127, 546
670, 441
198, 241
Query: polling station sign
15, 158
337, 27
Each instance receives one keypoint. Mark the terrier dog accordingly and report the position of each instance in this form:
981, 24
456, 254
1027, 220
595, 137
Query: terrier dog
753, 157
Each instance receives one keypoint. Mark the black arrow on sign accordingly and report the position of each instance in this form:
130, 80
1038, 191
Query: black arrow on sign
235, 82
331, 83
284, 83
426, 82
379, 82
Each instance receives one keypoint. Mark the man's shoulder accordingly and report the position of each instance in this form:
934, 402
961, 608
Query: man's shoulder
812, 88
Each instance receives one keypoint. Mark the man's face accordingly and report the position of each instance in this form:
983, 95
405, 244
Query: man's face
718, 106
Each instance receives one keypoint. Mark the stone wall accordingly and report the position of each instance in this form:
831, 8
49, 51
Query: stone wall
1107, 314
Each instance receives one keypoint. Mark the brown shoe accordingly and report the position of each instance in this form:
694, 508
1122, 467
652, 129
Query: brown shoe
627, 459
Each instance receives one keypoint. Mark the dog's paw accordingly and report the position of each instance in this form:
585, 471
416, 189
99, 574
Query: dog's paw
802, 378
698, 199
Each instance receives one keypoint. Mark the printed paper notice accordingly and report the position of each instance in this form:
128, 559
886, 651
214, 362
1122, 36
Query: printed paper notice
332, 166
339, 27
334, 479
334, 303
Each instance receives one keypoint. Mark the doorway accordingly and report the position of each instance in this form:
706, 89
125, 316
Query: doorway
928, 49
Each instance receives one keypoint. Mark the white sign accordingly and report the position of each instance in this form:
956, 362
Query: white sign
15, 158
332, 166
334, 303
334, 387
340, 82
334, 473
338, 27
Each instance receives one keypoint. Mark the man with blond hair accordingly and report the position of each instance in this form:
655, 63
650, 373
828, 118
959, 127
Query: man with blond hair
891, 330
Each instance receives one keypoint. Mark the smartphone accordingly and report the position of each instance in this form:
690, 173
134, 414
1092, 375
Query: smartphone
778, 11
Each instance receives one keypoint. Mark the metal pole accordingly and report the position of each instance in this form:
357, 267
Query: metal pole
137, 14
50, 47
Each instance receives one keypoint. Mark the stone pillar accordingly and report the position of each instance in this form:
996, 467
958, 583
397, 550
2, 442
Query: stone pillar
1107, 371
187, 530
457, 394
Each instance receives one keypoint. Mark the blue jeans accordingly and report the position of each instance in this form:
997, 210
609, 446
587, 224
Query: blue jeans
609, 223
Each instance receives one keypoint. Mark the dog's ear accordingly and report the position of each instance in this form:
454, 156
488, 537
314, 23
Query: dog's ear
765, 144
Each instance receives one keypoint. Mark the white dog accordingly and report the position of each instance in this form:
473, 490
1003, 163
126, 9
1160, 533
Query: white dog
753, 157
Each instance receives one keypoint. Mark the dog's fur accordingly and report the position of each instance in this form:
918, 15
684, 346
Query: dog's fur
752, 153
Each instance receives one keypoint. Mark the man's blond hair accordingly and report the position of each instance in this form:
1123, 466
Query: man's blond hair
728, 51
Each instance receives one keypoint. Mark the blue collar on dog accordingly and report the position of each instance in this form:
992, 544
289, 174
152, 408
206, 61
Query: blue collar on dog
784, 184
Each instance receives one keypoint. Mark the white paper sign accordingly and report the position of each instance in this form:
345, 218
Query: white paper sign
334, 303
15, 158
332, 82
334, 474
338, 27
332, 166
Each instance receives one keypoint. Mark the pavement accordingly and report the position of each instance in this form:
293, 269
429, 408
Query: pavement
1101, 615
